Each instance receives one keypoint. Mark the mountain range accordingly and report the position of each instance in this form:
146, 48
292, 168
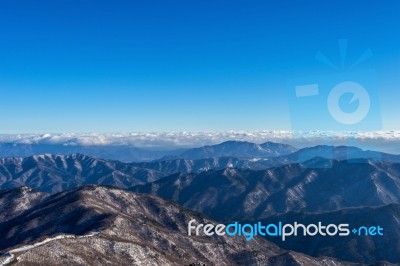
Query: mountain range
96, 225
331, 194
126, 153
55, 209
238, 149
366, 249
123, 153
55, 173
236, 193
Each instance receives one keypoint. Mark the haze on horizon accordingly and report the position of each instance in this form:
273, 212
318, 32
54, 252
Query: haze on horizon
385, 141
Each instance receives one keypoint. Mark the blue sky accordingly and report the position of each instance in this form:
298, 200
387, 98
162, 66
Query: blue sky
109, 66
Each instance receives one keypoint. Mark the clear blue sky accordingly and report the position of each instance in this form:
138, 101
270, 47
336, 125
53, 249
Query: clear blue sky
107, 66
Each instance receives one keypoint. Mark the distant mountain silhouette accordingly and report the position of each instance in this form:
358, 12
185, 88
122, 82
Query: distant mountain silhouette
123, 153
127, 153
239, 149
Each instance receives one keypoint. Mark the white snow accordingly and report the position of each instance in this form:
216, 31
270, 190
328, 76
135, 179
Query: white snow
11, 257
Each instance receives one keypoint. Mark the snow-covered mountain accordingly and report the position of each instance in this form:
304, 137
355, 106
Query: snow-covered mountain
246, 194
331, 194
127, 153
106, 226
55, 173
124, 153
366, 249
15, 201
171, 165
230, 181
239, 149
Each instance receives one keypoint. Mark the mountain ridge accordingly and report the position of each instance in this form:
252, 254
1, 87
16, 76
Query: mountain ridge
257, 194
85, 225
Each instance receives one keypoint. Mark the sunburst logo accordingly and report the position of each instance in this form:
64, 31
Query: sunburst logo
346, 100
343, 43
359, 95
340, 101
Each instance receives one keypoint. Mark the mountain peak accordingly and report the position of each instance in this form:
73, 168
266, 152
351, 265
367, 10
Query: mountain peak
134, 228
239, 149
